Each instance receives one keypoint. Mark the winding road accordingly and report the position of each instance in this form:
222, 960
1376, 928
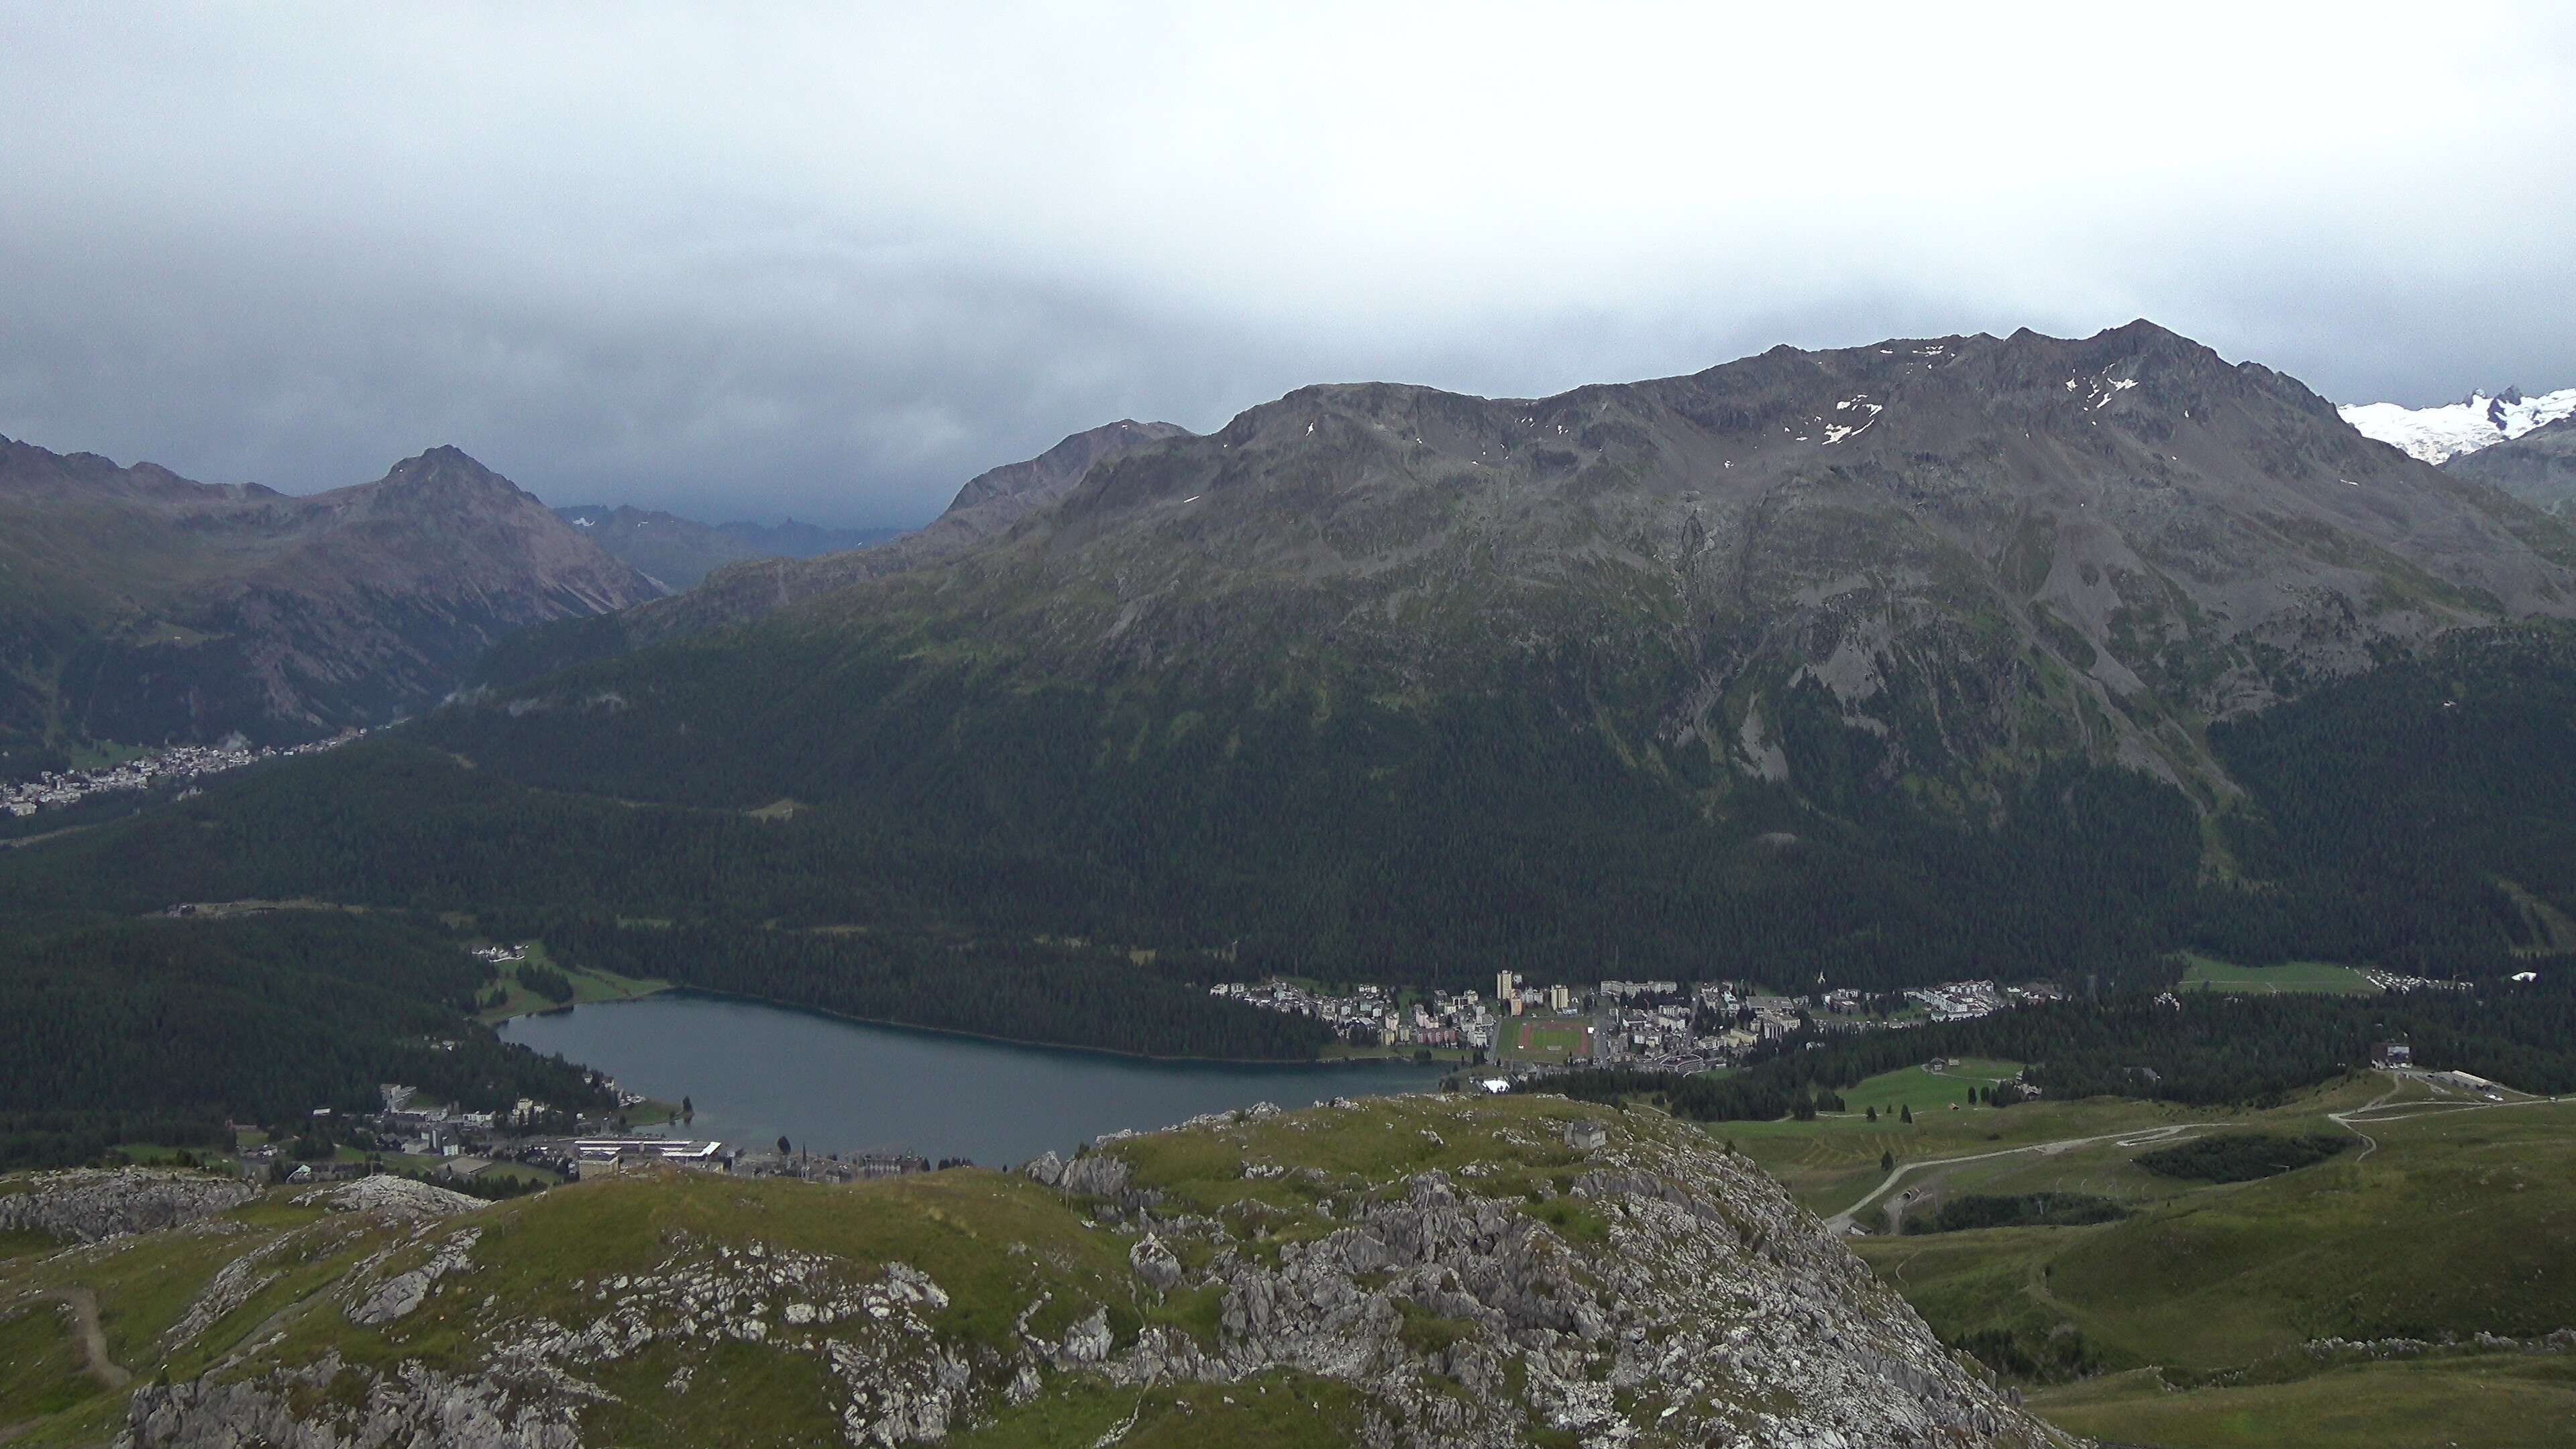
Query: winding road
1841, 1222
2352, 1119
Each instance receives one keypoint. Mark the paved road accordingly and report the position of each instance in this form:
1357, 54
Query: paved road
2352, 1120
1841, 1222
2379, 1109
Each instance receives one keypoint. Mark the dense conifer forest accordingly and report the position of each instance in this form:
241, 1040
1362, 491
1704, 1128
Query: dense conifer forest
162, 1029
1438, 850
933, 855
1050, 993
2241, 1156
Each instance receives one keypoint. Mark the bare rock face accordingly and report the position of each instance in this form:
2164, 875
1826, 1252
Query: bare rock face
87, 1204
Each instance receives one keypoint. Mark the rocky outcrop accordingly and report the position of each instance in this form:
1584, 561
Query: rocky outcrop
401, 1199
84, 1205
403, 1292
1097, 1174
1154, 1263
421, 1408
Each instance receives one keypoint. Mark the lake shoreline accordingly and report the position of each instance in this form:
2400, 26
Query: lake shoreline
708, 993
759, 1069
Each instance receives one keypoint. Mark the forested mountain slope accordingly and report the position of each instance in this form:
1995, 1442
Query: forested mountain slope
137, 606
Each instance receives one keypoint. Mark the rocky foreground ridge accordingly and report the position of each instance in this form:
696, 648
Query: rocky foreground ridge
1422, 1271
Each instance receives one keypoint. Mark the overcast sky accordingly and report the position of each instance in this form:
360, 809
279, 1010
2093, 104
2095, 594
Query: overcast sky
748, 261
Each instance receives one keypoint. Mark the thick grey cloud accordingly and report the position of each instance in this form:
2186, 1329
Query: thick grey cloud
832, 261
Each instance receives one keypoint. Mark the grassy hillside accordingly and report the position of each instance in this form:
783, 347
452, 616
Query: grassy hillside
1422, 1271
2192, 1321
2210, 974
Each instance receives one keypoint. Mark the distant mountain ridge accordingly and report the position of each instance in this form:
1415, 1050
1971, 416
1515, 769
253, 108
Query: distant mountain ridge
988, 505
678, 552
138, 606
2454, 430
2125, 527
2538, 467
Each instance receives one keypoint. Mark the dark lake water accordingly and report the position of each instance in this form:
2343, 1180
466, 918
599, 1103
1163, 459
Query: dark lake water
756, 1073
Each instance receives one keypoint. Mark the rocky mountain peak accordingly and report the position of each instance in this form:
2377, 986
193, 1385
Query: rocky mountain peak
449, 471
213, 608
1059, 467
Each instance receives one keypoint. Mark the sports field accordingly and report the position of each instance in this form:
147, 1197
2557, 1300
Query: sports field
2207, 973
1542, 1040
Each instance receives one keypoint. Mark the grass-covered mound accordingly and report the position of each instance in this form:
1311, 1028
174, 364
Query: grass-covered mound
2030, 1210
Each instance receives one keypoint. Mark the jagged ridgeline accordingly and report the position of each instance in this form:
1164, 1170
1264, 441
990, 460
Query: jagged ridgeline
1885, 664
1426, 1272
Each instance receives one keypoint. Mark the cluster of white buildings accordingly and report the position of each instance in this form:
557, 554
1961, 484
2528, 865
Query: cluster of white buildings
1958, 1000
1372, 1015
1968, 1000
1515, 995
55, 789
2395, 984
1651, 1025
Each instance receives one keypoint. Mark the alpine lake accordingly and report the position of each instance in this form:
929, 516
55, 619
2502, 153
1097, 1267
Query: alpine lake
755, 1072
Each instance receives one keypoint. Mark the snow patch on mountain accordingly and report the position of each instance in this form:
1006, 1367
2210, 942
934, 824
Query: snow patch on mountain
2438, 434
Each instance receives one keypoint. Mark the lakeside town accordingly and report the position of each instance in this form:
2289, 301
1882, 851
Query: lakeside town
1664, 1026
529, 1147
178, 764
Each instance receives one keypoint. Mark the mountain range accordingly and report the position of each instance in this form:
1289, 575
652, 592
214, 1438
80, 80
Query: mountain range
140, 607
2456, 430
988, 506
677, 552
2538, 467
2020, 657
1967, 549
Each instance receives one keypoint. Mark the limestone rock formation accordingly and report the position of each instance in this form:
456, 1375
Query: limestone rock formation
88, 1204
